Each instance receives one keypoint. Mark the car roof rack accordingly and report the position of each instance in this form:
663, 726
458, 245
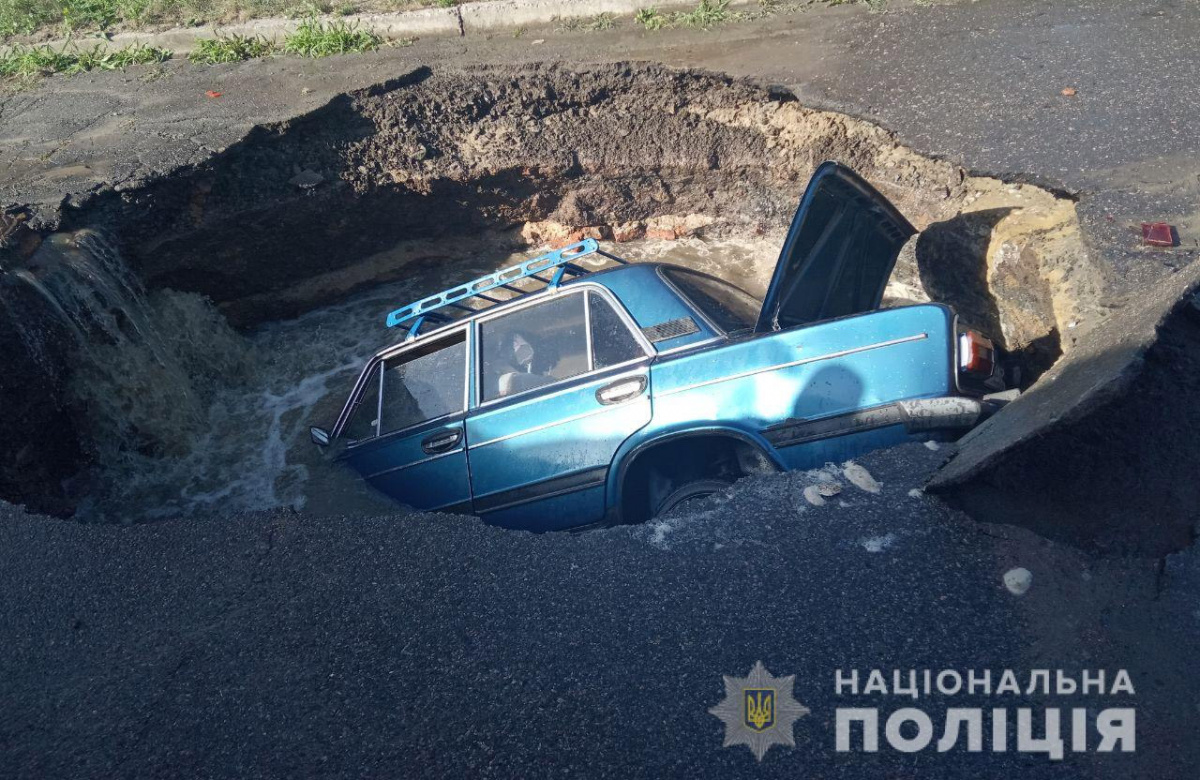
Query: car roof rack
467, 300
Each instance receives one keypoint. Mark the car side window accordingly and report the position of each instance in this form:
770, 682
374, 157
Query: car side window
731, 308
612, 342
424, 383
364, 417
533, 346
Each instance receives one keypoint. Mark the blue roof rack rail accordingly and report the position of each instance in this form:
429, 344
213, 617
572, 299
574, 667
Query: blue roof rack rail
431, 309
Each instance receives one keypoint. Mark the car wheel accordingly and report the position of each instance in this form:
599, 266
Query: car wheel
689, 494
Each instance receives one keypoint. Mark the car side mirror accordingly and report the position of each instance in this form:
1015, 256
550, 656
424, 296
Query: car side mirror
320, 436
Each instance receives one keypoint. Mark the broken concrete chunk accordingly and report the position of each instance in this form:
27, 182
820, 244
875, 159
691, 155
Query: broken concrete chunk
1018, 581
813, 496
860, 477
829, 489
306, 179
1101, 452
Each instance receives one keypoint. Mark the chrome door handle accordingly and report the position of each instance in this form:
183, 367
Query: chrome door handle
621, 390
442, 441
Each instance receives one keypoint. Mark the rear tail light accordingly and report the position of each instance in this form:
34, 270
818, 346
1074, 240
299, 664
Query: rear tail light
976, 355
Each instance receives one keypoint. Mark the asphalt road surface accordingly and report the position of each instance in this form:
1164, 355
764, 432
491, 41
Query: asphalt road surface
280, 645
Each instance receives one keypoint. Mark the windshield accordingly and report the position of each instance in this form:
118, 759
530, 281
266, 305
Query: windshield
729, 308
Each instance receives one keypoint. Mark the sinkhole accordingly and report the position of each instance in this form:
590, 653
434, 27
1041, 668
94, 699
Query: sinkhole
168, 346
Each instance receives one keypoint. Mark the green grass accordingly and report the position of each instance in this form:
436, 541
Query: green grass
312, 38
24, 61
19, 17
315, 38
707, 14
651, 18
23, 17
231, 48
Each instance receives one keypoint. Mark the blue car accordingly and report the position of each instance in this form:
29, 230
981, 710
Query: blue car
550, 395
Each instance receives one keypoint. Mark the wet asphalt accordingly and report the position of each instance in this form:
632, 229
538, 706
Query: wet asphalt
275, 644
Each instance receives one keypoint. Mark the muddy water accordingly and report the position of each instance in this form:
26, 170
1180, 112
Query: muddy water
188, 416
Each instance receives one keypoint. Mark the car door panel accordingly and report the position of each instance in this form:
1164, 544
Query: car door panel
419, 406
401, 466
547, 445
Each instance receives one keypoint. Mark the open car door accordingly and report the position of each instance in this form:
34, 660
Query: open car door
839, 252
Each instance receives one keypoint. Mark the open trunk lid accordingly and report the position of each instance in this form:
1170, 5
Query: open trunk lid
839, 252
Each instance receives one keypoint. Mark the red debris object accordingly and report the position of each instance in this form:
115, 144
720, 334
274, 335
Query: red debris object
1157, 234
212, 94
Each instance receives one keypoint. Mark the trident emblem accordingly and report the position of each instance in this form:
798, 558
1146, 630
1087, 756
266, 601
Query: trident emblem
760, 708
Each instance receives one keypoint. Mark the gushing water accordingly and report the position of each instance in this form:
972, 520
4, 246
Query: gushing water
187, 416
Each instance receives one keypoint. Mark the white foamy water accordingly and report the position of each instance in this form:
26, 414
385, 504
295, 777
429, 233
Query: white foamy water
189, 416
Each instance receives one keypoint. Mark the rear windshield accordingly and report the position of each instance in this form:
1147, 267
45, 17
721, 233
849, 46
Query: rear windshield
730, 308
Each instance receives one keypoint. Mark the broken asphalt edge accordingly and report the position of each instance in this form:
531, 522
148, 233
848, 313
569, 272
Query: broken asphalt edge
1116, 349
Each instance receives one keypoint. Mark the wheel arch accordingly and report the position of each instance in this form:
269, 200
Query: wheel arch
633, 452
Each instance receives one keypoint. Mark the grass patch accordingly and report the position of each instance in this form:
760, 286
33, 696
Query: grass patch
315, 38
22, 17
231, 48
19, 17
707, 14
651, 18
25, 61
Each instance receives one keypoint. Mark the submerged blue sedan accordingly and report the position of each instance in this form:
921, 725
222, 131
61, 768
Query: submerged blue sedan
550, 395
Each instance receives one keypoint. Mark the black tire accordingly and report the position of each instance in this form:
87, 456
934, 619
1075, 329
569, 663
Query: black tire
690, 491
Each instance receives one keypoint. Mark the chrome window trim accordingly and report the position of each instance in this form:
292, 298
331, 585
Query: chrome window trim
379, 401
693, 345
581, 288
587, 331
468, 343
793, 364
